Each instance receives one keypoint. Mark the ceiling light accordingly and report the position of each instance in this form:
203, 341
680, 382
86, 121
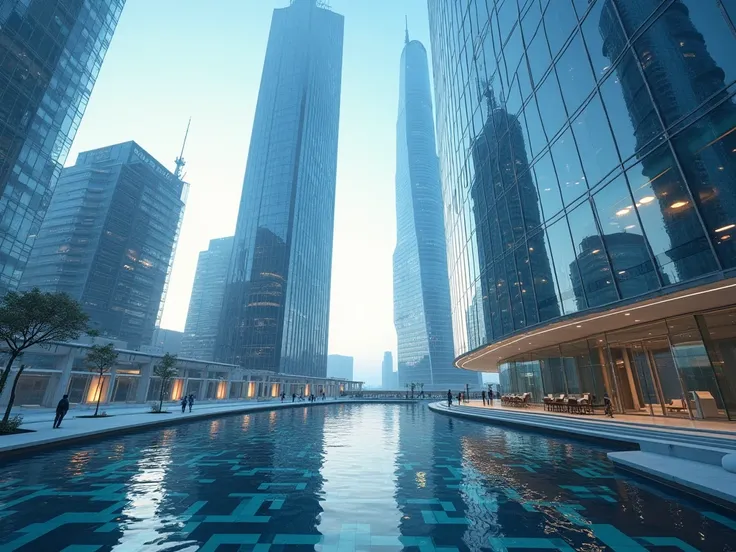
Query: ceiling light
623, 212
646, 199
627, 314
678, 204
596, 251
637, 320
724, 228
578, 326
630, 226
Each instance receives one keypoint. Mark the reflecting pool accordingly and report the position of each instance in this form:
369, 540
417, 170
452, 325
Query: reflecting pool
341, 478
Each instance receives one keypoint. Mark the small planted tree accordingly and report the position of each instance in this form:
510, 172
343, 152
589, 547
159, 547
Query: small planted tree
166, 370
35, 318
99, 360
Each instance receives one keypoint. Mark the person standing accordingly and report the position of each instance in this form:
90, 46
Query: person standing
449, 398
483, 397
191, 401
61, 409
293, 397
183, 404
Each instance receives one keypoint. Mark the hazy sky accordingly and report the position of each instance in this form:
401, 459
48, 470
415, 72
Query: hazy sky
171, 59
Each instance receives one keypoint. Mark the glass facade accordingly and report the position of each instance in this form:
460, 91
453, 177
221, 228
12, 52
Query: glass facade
276, 310
108, 239
588, 157
683, 366
50, 55
421, 291
205, 304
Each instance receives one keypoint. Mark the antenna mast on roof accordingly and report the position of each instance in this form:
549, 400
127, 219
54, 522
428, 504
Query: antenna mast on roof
179, 172
406, 38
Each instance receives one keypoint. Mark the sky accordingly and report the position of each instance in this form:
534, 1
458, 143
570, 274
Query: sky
172, 59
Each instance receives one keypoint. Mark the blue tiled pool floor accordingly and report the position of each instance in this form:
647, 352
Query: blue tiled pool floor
343, 478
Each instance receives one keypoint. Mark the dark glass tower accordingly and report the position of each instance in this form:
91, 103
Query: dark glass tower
205, 305
276, 310
108, 239
422, 314
51, 53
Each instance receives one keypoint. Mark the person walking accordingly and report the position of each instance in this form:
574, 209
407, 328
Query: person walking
483, 397
449, 398
293, 397
191, 401
61, 409
608, 404
183, 404
283, 397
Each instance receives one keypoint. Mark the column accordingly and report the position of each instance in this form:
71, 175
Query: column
110, 386
203, 386
144, 382
65, 364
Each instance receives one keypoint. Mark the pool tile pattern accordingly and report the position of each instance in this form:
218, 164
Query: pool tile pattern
343, 479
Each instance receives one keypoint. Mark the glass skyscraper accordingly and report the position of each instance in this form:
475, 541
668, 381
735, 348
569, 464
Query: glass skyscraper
276, 310
51, 53
108, 239
205, 304
588, 154
422, 314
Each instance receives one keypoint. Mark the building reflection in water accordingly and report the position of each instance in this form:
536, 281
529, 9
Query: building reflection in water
367, 437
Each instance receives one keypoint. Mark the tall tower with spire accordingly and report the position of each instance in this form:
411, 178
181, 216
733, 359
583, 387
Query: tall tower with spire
422, 315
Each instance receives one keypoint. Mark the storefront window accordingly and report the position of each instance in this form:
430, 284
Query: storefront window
719, 332
696, 372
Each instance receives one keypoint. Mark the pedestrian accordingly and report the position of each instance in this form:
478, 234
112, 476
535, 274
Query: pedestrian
483, 397
61, 409
283, 397
324, 397
608, 404
449, 398
460, 399
183, 404
293, 397
191, 401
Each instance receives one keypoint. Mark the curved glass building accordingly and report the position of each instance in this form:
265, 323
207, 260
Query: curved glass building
588, 159
421, 292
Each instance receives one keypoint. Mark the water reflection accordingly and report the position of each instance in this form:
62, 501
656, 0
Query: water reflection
350, 478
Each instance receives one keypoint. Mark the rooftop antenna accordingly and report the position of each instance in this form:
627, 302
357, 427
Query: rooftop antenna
406, 38
179, 172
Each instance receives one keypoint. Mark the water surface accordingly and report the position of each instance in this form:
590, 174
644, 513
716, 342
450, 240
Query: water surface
341, 478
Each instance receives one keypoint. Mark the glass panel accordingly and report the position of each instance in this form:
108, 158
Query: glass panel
569, 171
707, 155
630, 109
670, 222
595, 142
551, 371
575, 74
526, 286
667, 381
695, 369
537, 138
594, 39
545, 287
512, 281
593, 266
538, 55
551, 108
627, 250
549, 191
559, 21
565, 266
721, 342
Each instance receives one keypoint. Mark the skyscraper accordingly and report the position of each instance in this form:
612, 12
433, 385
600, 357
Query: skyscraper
422, 315
108, 239
387, 371
52, 53
205, 304
276, 311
